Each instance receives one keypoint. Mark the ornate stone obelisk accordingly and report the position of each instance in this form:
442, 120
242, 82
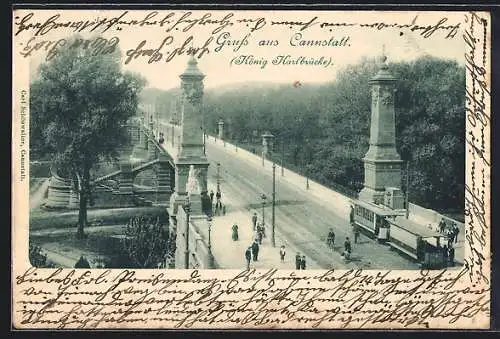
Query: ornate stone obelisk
382, 161
191, 148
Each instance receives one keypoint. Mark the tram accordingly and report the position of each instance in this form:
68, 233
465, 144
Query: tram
418, 242
374, 218
390, 226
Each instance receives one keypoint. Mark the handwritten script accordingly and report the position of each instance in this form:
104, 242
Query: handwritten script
186, 21
90, 299
478, 119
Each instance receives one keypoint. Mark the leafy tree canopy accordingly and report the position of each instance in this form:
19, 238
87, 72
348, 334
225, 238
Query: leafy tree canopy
79, 104
323, 130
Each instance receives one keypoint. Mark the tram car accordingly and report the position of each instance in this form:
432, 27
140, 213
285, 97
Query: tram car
418, 242
374, 218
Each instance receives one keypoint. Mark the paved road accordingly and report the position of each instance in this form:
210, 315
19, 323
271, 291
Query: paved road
300, 219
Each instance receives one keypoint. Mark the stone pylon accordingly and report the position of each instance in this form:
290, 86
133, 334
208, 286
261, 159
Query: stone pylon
191, 152
382, 161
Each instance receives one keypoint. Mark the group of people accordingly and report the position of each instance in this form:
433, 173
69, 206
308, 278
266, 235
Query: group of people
450, 231
258, 229
330, 240
219, 208
300, 261
252, 253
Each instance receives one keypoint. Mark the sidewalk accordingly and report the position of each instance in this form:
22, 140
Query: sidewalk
230, 254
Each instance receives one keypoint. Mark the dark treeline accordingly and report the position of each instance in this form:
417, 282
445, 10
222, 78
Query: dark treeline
323, 130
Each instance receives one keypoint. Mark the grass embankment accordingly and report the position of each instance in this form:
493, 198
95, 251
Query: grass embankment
96, 217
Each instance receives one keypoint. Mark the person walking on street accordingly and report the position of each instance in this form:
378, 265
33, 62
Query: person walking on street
282, 253
298, 261
456, 230
351, 215
330, 240
451, 256
212, 197
347, 248
218, 196
254, 221
260, 235
450, 237
248, 256
356, 234
235, 232
303, 263
445, 254
442, 226
255, 251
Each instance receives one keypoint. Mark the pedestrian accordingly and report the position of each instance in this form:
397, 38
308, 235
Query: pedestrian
223, 209
248, 256
298, 261
445, 254
450, 238
442, 226
255, 251
456, 230
282, 253
259, 235
212, 197
82, 262
356, 234
303, 263
351, 215
347, 247
254, 220
451, 256
330, 239
235, 232
218, 196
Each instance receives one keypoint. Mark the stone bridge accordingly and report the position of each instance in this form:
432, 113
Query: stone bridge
153, 169
120, 187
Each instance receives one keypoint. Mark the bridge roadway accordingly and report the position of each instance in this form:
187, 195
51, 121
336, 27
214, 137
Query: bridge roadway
301, 219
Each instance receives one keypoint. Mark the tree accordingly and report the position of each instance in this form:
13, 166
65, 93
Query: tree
324, 129
79, 105
147, 243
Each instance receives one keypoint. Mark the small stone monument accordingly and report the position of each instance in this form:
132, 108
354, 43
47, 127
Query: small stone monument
221, 129
193, 189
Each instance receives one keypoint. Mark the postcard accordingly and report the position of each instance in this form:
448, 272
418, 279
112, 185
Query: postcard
186, 168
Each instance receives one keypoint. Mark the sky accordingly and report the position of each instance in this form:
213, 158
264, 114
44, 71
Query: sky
399, 43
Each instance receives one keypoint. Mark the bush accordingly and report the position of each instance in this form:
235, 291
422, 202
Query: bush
38, 258
146, 243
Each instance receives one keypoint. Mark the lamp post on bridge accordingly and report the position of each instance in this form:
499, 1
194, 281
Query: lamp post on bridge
210, 254
218, 177
263, 197
187, 208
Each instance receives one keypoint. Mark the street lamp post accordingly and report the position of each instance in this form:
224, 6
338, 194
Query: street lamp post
210, 255
274, 205
263, 197
187, 208
218, 177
